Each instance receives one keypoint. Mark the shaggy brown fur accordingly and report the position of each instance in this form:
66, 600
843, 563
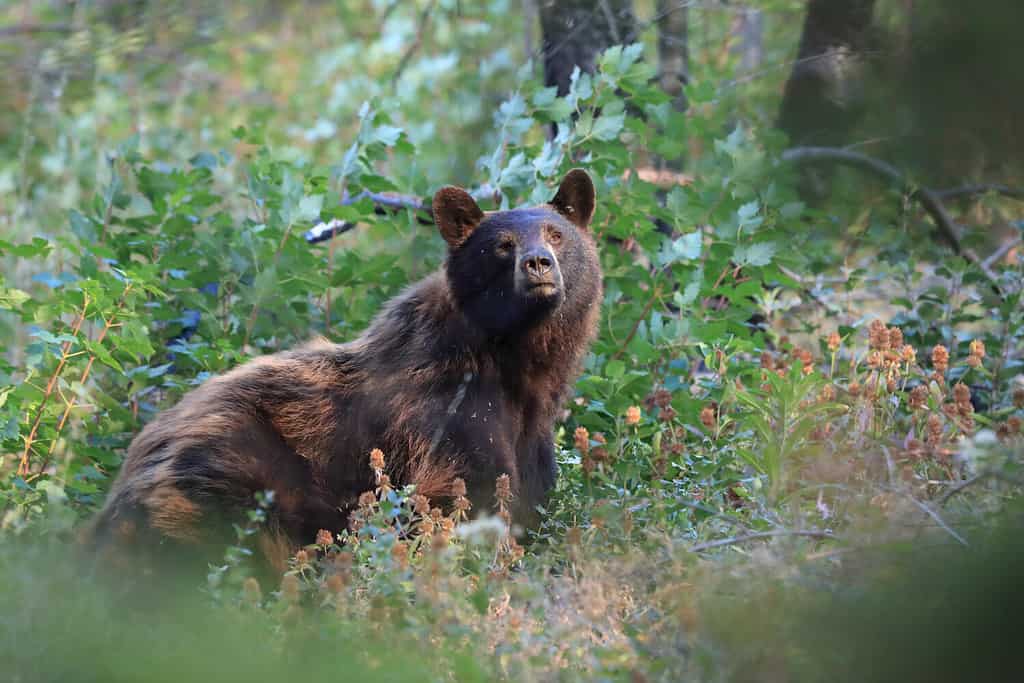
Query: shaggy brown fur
462, 375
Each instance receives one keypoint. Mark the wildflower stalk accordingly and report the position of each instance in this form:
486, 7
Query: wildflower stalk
65, 354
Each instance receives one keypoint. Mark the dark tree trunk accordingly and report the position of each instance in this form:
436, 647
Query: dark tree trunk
821, 102
673, 56
575, 32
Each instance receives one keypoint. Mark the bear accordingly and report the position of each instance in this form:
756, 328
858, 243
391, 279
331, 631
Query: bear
462, 375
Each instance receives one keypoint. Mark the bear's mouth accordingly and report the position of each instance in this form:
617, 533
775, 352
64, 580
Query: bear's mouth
542, 289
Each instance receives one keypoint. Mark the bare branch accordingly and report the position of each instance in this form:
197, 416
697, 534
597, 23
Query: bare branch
928, 199
385, 203
734, 540
925, 508
967, 483
975, 190
28, 29
424, 19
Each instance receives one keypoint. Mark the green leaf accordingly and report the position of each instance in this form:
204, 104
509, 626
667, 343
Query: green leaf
309, 207
759, 254
12, 299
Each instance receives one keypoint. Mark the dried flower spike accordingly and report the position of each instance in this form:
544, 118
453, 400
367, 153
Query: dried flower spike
581, 439
324, 538
707, 417
918, 397
940, 358
251, 592
503, 489
377, 459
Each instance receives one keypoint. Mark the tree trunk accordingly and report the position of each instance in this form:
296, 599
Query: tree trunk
673, 56
575, 32
821, 102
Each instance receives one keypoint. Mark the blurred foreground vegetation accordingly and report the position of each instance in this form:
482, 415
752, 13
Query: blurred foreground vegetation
795, 453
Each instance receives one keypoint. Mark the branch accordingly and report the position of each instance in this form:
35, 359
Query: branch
929, 199
734, 540
415, 45
975, 190
25, 29
937, 519
967, 483
931, 203
384, 204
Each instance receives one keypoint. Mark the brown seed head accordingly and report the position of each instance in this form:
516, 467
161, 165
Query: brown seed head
599, 438
918, 397
633, 415
335, 584
878, 335
324, 538
367, 499
1013, 425
459, 487
503, 489
377, 459
420, 504
707, 417
977, 348
961, 394
662, 398
940, 358
302, 558
290, 588
581, 439
667, 414
895, 338
400, 554
251, 592
934, 428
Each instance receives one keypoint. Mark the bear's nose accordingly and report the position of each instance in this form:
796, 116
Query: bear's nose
537, 263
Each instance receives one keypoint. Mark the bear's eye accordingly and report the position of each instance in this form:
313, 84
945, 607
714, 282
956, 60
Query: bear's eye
506, 246
555, 237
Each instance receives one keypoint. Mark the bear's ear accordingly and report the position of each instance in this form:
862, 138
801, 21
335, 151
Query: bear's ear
456, 214
576, 197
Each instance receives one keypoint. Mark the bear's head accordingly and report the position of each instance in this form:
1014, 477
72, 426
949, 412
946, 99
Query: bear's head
510, 270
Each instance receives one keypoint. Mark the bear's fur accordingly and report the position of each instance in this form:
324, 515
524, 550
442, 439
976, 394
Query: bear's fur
462, 375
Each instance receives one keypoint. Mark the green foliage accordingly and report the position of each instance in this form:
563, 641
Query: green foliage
155, 239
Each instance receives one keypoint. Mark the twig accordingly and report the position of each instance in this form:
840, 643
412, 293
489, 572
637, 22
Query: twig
384, 204
636, 326
24, 29
1002, 251
982, 188
416, 43
954, 490
938, 520
69, 404
23, 468
734, 540
928, 199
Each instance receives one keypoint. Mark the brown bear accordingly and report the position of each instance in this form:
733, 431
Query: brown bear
462, 375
